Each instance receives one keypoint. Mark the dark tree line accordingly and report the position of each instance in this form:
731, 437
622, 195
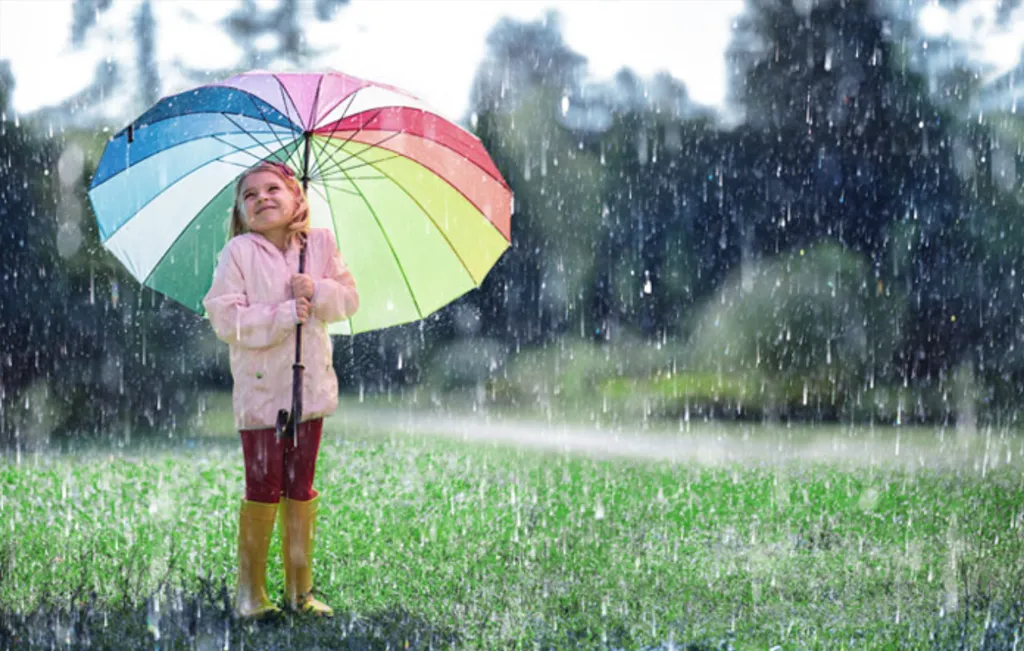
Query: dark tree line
841, 140
636, 213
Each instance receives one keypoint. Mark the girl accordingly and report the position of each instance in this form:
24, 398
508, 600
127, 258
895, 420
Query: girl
256, 300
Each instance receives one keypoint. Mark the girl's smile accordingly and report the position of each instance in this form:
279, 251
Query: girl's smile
269, 206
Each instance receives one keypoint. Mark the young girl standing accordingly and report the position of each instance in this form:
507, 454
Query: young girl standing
257, 299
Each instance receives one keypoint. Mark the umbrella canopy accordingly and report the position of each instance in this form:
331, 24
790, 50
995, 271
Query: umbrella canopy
417, 206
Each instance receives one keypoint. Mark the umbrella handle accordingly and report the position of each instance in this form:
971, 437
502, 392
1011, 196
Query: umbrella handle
281, 427
290, 427
288, 424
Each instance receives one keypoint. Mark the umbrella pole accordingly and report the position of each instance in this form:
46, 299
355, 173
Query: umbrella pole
288, 424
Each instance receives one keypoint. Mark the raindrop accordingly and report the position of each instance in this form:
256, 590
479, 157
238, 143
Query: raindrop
69, 241
153, 617
70, 165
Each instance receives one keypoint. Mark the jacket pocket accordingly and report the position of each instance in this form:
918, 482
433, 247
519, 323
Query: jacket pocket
253, 386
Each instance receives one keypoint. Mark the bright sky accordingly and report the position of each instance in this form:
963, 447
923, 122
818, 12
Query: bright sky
976, 22
431, 48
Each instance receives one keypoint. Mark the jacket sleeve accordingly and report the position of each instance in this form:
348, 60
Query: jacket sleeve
235, 321
334, 296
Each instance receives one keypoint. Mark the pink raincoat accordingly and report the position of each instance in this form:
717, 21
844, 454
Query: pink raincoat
250, 306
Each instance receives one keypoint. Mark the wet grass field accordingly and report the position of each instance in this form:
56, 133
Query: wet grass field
428, 542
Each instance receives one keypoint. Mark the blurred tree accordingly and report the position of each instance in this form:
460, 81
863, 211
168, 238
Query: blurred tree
265, 34
522, 56
84, 14
966, 294
144, 75
252, 25
856, 140
32, 290
663, 186
1004, 8
99, 355
802, 319
540, 286
146, 62
121, 360
852, 146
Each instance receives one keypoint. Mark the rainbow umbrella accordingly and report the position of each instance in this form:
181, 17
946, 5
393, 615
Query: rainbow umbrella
418, 208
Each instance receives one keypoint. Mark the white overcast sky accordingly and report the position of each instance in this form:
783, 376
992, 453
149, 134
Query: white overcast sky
431, 48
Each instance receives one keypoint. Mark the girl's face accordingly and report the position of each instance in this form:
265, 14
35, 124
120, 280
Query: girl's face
268, 203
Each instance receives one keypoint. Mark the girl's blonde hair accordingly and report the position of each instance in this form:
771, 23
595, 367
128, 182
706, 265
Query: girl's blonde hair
300, 223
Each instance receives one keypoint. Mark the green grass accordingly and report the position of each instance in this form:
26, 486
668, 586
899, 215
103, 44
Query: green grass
429, 543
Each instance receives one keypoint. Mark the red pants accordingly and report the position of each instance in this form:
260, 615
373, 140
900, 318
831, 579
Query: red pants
285, 468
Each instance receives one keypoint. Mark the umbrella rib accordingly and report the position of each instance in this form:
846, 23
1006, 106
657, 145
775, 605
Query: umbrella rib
270, 152
286, 97
175, 116
222, 113
442, 145
337, 123
180, 143
185, 228
316, 188
496, 177
139, 121
374, 165
264, 116
155, 197
240, 150
233, 163
341, 168
391, 247
252, 98
340, 165
316, 102
431, 218
336, 187
364, 164
321, 175
354, 133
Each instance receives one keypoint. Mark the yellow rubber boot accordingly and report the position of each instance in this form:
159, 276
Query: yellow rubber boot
255, 526
298, 528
